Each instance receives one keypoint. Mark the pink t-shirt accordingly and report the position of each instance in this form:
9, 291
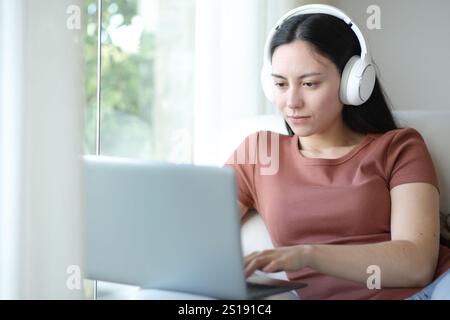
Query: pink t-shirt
331, 201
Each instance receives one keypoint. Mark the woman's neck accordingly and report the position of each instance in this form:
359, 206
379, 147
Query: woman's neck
329, 141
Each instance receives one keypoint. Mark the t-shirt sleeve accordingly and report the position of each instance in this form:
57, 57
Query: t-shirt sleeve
243, 162
408, 160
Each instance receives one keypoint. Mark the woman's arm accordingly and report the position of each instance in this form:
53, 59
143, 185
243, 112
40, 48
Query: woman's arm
408, 260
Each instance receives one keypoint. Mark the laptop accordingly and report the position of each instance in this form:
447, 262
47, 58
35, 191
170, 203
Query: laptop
167, 226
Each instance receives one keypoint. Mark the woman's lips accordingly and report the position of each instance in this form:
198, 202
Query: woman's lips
299, 119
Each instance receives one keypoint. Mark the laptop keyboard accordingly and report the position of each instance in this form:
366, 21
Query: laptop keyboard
256, 290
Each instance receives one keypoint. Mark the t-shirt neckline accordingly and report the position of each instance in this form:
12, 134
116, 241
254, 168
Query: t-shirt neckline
322, 161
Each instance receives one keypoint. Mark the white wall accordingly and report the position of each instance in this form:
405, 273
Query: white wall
411, 49
41, 109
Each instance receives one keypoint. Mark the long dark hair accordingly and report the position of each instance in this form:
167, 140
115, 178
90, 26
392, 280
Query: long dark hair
334, 39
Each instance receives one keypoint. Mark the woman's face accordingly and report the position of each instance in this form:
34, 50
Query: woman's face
306, 84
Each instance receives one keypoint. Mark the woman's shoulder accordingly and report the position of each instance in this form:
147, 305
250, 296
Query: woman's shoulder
401, 143
399, 135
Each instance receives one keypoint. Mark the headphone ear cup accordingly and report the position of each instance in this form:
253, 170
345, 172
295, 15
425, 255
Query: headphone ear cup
346, 90
266, 81
354, 89
367, 82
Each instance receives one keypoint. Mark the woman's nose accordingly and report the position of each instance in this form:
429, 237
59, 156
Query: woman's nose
294, 99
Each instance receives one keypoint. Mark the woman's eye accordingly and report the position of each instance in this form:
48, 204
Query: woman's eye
309, 84
305, 84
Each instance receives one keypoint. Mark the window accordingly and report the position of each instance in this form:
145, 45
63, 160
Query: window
146, 78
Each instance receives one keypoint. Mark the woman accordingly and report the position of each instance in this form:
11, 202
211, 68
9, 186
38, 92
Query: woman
355, 202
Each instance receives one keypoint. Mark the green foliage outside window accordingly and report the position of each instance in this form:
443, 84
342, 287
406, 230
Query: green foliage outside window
127, 81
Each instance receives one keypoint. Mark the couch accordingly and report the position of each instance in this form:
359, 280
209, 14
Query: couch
435, 129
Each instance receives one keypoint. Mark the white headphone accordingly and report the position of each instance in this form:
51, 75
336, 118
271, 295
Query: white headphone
358, 76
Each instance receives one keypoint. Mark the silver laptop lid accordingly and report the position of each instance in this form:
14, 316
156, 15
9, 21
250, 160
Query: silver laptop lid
166, 226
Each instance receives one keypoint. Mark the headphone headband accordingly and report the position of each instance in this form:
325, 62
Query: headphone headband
325, 9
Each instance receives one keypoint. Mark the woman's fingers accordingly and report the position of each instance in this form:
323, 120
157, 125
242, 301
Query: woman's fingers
249, 257
255, 263
273, 266
275, 260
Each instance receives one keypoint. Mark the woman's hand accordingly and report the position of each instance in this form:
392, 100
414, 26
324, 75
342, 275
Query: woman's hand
280, 259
